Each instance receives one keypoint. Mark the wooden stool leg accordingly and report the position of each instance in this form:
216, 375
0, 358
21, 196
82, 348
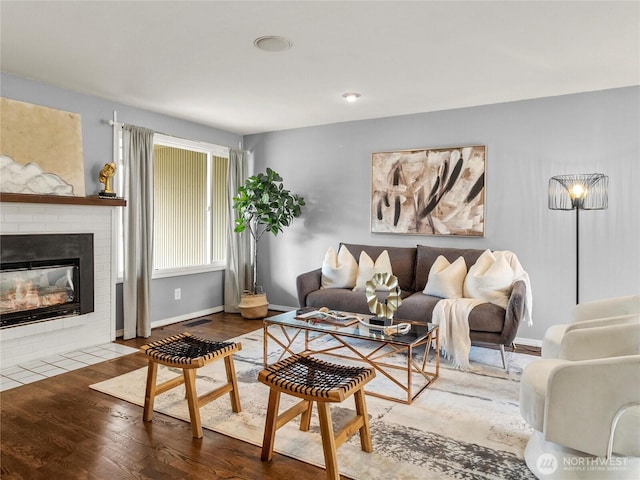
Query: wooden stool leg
270, 425
150, 392
365, 431
192, 401
328, 441
231, 378
305, 418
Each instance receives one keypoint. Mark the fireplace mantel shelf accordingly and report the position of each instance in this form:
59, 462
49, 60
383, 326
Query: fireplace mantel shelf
59, 199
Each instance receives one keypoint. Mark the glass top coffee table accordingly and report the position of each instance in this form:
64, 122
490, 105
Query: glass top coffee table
401, 359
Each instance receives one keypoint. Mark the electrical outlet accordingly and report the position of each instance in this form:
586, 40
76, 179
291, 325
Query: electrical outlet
177, 294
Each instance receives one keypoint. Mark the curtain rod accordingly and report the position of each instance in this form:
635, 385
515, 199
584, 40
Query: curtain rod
115, 123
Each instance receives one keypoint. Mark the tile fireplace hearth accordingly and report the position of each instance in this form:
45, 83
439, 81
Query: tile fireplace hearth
54, 365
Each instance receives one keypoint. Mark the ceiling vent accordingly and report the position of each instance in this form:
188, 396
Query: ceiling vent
272, 43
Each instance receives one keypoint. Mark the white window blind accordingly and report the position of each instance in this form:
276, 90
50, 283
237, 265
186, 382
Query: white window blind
180, 206
190, 199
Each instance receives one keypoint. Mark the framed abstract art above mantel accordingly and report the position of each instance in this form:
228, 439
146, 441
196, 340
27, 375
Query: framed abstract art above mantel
432, 191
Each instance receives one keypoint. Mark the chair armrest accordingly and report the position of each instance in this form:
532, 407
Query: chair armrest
554, 335
603, 322
514, 312
306, 283
606, 308
601, 340
583, 398
552, 340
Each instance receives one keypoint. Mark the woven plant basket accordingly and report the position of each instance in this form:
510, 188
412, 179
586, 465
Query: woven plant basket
253, 305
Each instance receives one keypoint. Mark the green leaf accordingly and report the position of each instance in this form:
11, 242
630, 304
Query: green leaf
263, 202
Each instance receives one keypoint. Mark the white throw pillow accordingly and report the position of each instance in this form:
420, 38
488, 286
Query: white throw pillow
367, 268
446, 279
490, 279
339, 270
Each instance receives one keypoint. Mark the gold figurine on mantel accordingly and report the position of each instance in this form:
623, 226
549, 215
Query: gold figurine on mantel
106, 173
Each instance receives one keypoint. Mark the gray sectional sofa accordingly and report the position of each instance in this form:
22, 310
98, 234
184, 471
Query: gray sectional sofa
488, 323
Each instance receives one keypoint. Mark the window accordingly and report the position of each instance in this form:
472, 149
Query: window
190, 206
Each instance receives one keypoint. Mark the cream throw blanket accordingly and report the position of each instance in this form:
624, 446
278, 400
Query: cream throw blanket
452, 314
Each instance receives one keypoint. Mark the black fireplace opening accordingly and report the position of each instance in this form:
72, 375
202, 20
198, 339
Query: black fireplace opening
43, 277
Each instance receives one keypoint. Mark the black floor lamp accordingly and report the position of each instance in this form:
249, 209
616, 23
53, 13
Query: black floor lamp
578, 192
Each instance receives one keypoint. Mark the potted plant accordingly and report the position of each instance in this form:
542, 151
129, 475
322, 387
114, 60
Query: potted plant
263, 205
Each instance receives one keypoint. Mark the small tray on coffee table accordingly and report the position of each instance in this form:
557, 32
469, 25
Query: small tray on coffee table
331, 317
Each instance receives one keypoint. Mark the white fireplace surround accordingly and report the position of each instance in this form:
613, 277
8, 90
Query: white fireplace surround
21, 344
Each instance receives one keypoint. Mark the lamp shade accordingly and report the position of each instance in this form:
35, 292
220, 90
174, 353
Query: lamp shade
581, 191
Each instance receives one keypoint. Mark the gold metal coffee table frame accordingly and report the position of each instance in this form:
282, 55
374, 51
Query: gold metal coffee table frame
285, 329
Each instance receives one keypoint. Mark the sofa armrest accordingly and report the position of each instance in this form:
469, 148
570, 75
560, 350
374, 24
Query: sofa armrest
306, 283
514, 312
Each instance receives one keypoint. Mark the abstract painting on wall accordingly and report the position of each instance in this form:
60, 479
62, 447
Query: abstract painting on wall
435, 191
41, 150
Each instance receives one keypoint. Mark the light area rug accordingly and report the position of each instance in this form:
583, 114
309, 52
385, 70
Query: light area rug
466, 425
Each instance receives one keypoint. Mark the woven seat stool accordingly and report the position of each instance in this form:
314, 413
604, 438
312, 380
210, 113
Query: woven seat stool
189, 353
314, 380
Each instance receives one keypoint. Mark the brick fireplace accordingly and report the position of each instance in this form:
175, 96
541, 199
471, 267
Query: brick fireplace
86, 327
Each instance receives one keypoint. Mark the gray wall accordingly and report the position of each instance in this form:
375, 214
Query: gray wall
199, 292
527, 143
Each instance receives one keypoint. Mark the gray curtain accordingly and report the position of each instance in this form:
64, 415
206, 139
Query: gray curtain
138, 231
237, 275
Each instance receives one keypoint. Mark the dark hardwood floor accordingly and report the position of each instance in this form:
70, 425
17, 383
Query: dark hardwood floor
59, 428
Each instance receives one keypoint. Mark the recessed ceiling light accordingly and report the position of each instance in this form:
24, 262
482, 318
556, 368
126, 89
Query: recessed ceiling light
351, 96
272, 43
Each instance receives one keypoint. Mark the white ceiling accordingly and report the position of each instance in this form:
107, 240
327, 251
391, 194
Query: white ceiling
197, 61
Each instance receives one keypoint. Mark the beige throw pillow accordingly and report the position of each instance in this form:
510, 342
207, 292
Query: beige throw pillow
339, 270
490, 279
446, 279
367, 268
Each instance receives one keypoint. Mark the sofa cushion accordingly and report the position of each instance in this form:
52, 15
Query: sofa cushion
367, 268
446, 279
418, 307
339, 270
426, 256
403, 260
342, 299
483, 318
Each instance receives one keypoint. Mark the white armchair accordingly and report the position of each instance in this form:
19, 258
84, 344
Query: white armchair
585, 402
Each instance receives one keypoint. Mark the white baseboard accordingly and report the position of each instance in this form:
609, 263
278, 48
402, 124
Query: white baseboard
179, 318
281, 308
186, 316
530, 342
